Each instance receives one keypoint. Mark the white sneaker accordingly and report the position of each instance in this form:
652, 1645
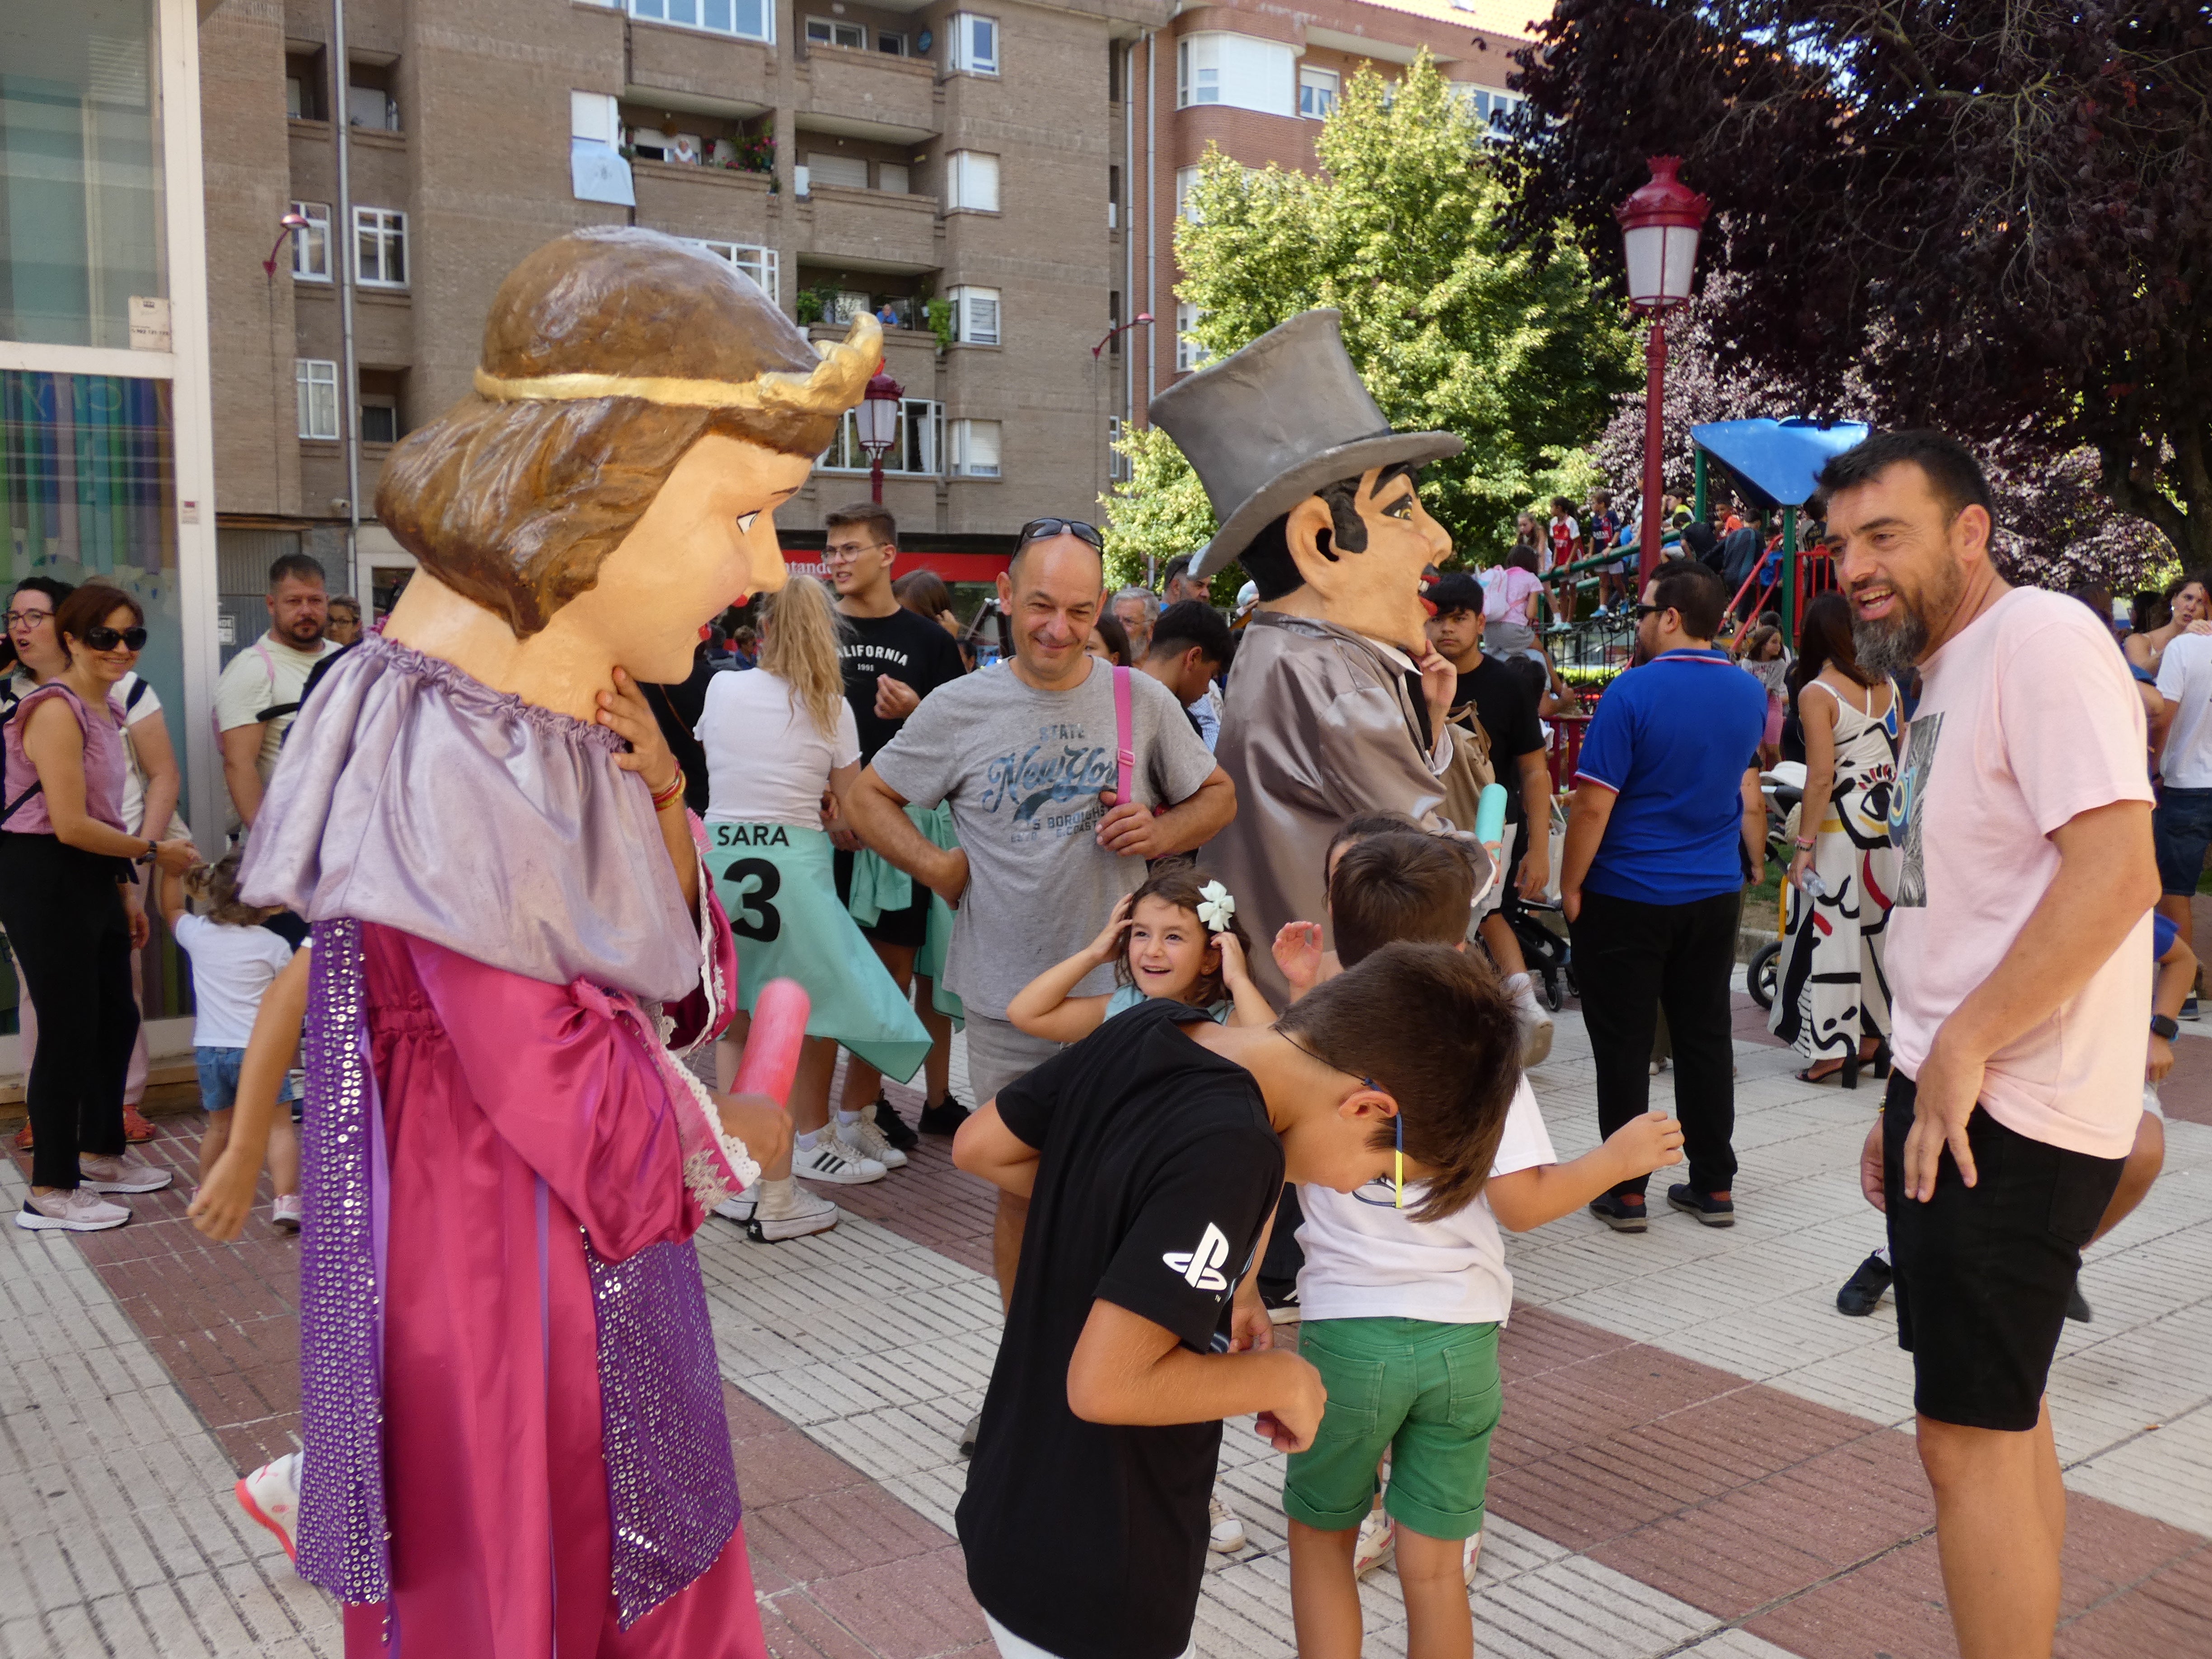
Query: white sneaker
832, 1160
270, 1495
1379, 1537
1228, 1534
76, 1210
739, 1206
1534, 1020
1470, 1555
784, 1209
127, 1173
868, 1144
284, 1213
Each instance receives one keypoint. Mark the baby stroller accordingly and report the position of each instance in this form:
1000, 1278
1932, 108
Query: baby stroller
1539, 928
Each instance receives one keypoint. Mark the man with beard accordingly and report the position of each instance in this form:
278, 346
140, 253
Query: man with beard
2020, 965
260, 691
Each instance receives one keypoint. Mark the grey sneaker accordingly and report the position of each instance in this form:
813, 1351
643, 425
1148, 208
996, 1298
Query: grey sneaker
128, 1173
864, 1140
787, 1210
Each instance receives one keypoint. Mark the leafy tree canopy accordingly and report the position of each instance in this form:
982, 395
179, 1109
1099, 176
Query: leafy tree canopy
1994, 216
1400, 231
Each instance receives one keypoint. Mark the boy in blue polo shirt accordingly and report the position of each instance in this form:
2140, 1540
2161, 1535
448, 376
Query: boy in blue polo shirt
1667, 819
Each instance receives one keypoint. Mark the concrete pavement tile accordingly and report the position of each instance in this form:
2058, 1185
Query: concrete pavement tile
906, 1609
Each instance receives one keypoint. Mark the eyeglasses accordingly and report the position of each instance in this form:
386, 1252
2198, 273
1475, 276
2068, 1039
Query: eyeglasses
847, 555
107, 638
1037, 530
28, 618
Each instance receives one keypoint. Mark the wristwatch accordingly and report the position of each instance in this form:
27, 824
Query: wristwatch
2165, 1025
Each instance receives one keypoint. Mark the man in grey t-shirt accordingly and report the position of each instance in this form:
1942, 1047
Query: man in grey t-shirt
1024, 752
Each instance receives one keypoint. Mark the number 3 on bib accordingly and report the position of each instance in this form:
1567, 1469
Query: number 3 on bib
753, 914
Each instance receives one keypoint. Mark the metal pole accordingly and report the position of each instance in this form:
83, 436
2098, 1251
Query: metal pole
876, 476
1698, 461
1129, 225
1789, 575
1647, 535
347, 242
1151, 209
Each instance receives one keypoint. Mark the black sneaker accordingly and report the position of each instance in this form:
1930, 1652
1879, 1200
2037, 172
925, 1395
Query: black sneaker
970, 1434
945, 1117
2189, 1007
1622, 1215
1863, 1290
893, 1127
1713, 1212
2077, 1306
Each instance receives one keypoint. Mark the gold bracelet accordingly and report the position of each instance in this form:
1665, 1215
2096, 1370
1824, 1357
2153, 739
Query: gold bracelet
662, 798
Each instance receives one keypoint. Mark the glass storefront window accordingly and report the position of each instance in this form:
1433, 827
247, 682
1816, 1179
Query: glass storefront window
79, 171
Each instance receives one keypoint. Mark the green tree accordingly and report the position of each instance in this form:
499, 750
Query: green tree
1401, 230
1157, 513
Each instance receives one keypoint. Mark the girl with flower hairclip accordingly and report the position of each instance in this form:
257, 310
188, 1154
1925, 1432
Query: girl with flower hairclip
1176, 937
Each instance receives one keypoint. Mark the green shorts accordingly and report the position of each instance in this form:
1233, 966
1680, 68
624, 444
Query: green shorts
1428, 1394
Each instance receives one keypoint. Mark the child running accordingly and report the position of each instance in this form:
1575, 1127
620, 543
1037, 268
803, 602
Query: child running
1402, 1306
234, 959
1177, 938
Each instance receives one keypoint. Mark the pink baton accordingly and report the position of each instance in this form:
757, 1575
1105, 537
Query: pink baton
771, 1057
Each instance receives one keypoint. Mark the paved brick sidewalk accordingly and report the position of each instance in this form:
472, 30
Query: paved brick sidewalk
1698, 1454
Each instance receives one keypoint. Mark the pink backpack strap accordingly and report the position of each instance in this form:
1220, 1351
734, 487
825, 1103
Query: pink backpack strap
1125, 752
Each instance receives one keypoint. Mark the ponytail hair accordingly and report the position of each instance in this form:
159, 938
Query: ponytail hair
804, 632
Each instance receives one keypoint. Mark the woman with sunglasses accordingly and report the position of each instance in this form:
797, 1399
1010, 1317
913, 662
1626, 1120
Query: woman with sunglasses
63, 852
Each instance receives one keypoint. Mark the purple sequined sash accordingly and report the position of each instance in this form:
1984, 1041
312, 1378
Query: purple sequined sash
672, 1485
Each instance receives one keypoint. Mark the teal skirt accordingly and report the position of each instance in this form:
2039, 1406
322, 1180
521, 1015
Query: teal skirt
879, 886
777, 886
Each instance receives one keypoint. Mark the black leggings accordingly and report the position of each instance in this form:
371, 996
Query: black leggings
71, 937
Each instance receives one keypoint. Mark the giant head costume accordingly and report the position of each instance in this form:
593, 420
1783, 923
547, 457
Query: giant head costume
1314, 493
1324, 719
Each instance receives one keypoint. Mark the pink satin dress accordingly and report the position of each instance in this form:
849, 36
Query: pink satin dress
519, 1117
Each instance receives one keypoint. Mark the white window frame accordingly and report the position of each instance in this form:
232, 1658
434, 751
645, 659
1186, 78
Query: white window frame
315, 381
1215, 68
311, 248
965, 172
964, 436
916, 451
388, 227
1326, 84
976, 316
1117, 464
1189, 354
697, 14
960, 56
832, 25
1185, 179
1489, 107
749, 259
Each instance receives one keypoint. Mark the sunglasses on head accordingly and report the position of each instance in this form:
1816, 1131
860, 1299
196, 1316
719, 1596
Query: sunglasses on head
1037, 530
107, 638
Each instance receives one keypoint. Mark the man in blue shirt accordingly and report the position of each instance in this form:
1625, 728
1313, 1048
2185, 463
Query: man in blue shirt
1666, 809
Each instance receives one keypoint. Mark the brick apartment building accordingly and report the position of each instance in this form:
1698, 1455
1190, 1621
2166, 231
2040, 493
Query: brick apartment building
981, 154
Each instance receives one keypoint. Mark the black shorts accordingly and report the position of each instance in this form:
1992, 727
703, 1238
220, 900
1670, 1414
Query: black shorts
1984, 1271
909, 927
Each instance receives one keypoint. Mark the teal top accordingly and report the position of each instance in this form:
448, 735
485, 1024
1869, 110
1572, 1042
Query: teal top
1126, 997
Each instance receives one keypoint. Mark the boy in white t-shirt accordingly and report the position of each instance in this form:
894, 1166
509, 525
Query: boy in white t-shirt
233, 958
1401, 1317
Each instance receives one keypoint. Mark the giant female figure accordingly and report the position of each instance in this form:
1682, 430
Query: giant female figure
515, 1445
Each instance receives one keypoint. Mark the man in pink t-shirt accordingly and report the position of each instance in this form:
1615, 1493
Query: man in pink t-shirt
2020, 965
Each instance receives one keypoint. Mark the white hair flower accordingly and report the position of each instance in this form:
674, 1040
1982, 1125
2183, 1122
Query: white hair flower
1215, 907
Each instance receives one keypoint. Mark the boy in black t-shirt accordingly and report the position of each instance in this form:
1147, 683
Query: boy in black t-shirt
892, 658
1152, 1153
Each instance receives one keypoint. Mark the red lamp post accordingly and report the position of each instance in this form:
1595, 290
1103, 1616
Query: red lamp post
293, 224
877, 418
1659, 228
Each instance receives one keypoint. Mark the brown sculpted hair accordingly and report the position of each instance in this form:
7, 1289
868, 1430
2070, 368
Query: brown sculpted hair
514, 496
1402, 885
1434, 1030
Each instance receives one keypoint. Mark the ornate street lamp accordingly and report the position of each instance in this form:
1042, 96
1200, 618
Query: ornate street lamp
1659, 228
293, 224
877, 418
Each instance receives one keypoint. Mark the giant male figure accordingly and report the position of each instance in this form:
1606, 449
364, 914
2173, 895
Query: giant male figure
1337, 701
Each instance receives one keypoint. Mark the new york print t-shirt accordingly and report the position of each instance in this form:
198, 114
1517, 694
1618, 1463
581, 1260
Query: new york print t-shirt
1158, 1168
1023, 769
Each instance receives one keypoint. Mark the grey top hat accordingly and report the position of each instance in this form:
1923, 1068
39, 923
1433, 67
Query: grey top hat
1268, 425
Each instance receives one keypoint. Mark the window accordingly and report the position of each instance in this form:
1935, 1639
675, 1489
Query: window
1237, 71
975, 315
831, 32
893, 46
973, 42
751, 19
311, 248
842, 172
971, 181
892, 176
975, 449
1185, 178
1117, 464
371, 107
1113, 198
914, 451
843, 305
304, 85
747, 260
1489, 108
594, 115
379, 421
380, 247
1189, 354
1316, 93
317, 383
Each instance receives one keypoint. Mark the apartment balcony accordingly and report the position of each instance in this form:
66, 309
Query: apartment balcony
868, 94
703, 201
680, 68
868, 229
